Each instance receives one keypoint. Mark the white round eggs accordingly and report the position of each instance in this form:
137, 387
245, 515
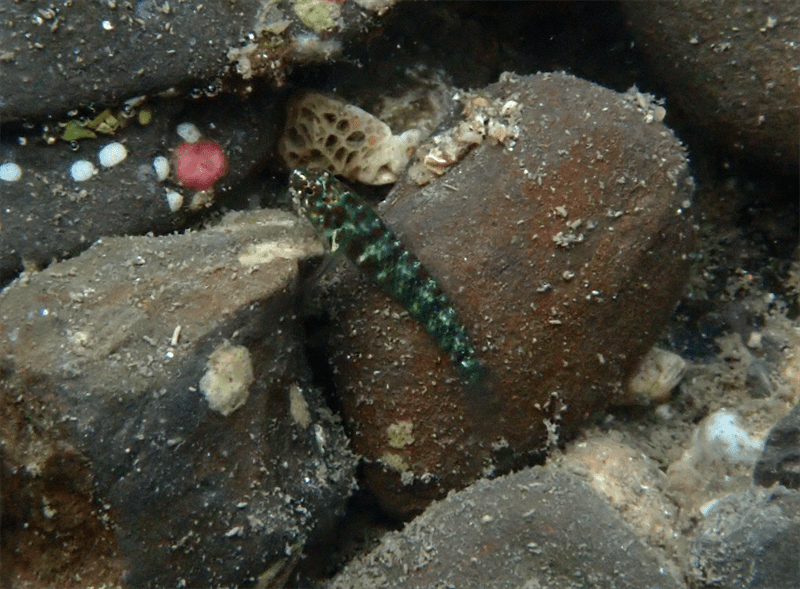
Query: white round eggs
112, 154
10, 172
82, 170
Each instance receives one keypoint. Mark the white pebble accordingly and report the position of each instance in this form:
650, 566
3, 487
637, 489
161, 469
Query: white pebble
189, 132
112, 154
10, 172
82, 170
174, 200
161, 166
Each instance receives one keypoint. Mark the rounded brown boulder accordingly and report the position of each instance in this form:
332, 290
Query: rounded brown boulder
563, 247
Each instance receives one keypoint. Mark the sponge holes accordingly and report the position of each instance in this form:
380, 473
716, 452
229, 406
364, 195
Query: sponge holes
344, 156
296, 137
309, 116
357, 138
353, 140
343, 126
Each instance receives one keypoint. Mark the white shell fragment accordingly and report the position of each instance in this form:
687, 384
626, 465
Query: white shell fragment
658, 374
82, 170
112, 154
721, 436
189, 132
229, 374
174, 200
161, 166
10, 172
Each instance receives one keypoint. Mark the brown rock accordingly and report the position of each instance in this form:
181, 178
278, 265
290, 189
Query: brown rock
730, 69
564, 252
169, 373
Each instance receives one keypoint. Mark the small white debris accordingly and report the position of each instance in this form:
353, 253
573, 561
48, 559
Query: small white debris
174, 200
112, 154
10, 172
754, 341
47, 511
189, 132
136, 101
319, 436
107, 25
161, 166
176, 334
82, 170
298, 406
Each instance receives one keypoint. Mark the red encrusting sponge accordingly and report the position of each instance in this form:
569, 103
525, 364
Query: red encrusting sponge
201, 164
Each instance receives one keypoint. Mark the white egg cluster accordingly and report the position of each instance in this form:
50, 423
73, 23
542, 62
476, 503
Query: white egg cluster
112, 154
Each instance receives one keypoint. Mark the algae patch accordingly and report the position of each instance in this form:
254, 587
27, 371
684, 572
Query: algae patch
229, 374
401, 434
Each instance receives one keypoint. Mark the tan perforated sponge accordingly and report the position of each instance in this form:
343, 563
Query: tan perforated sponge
325, 133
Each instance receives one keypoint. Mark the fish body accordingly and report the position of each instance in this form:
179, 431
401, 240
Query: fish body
350, 224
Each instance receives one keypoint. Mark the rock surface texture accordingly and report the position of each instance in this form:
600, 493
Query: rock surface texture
540, 527
749, 539
563, 250
68, 55
171, 370
731, 68
49, 215
180, 410
780, 462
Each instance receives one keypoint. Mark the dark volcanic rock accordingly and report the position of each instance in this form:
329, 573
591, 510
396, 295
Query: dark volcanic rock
730, 68
563, 256
47, 215
749, 539
173, 370
59, 56
67, 56
780, 462
541, 527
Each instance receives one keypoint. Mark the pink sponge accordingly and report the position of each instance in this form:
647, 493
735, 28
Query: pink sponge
200, 164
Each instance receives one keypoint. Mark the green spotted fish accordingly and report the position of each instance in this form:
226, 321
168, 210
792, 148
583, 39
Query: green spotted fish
350, 224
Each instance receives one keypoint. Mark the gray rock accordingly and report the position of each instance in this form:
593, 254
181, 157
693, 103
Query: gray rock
780, 461
173, 369
749, 539
58, 57
541, 527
